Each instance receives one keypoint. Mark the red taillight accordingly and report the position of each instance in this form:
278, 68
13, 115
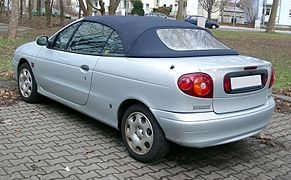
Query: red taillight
272, 80
196, 84
226, 84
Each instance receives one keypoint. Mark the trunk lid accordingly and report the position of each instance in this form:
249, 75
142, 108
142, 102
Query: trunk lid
247, 78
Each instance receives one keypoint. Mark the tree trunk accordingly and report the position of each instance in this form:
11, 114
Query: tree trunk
13, 20
113, 4
2, 8
21, 9
38, 6
8, 6
271, 24
62, 21
209, 11
102, 7
89, 7
29, 9
47, 13
83, 8
181, 10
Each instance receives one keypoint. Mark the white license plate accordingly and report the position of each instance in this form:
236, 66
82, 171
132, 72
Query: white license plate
245, 81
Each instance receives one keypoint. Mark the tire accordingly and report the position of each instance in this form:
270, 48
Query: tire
213, 26
26, 84
143, 137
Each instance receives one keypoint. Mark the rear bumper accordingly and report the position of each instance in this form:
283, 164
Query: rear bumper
210, 129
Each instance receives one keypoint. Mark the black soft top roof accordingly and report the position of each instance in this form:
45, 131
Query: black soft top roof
139, 37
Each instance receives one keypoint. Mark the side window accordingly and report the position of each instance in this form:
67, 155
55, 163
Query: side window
62, 39
90, 38
113, 46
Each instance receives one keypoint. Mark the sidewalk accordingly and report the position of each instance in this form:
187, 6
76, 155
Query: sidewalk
231, 28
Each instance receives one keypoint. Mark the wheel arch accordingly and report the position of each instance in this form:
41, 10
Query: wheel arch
22, 61
124, 105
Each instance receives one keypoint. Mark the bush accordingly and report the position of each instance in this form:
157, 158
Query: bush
164, 10
137, 8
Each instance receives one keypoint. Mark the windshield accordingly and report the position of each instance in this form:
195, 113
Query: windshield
189, 39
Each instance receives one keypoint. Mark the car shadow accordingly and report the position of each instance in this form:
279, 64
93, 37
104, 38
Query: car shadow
216, 156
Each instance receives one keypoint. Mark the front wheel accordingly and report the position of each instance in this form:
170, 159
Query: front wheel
213, 26
143, 137
27, 85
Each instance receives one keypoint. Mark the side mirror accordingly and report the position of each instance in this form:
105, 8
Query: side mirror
42, 40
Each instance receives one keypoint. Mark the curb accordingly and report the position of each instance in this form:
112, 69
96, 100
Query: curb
285, 98
8, 84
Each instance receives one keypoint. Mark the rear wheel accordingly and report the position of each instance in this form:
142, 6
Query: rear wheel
27, 85
213, 26
142, 135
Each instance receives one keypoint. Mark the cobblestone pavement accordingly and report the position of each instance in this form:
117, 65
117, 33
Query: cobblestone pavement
40, 141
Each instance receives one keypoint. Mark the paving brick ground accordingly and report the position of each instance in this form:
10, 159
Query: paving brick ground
40, 141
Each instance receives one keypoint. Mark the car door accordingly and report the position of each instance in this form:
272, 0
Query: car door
66, 68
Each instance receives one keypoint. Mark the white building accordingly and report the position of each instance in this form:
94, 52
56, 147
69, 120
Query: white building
193, 7
283, 14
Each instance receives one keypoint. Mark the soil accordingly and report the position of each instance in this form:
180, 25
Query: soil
8, 96
36, 22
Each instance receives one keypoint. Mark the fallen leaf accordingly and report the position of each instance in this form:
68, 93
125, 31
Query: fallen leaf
17, 130
263, 136
87, 151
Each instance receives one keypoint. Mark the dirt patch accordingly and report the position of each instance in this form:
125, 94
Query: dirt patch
9, 96
284, 91
282, 106
36, 22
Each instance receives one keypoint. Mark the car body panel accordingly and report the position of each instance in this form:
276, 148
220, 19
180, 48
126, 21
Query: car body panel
210, 129
208, 23
65, 78
112, 80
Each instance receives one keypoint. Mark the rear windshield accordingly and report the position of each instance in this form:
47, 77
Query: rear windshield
189, 39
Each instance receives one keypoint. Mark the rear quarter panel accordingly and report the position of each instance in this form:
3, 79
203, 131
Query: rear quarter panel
151, 81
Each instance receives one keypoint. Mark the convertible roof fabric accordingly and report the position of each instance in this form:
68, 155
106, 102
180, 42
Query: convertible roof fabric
139, 37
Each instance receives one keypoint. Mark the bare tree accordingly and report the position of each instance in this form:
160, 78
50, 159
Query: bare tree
2, 6
250, 10
113, 4
29, 9
87, 10
38, 7
102, 7
62, 9
212, 6
13, 20
271, 24
48, 11
181, 10
21, 9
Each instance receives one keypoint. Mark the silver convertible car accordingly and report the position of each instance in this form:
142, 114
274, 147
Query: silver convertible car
156, 80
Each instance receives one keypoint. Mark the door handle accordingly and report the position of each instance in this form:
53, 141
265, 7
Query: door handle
85, 67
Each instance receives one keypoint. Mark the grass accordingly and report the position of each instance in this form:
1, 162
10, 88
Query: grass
7, 48
275, 48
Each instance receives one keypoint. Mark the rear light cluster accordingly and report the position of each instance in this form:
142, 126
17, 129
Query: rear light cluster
226, 83
196, 84
272, 80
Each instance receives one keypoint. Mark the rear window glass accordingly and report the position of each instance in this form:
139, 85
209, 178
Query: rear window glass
189, 39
